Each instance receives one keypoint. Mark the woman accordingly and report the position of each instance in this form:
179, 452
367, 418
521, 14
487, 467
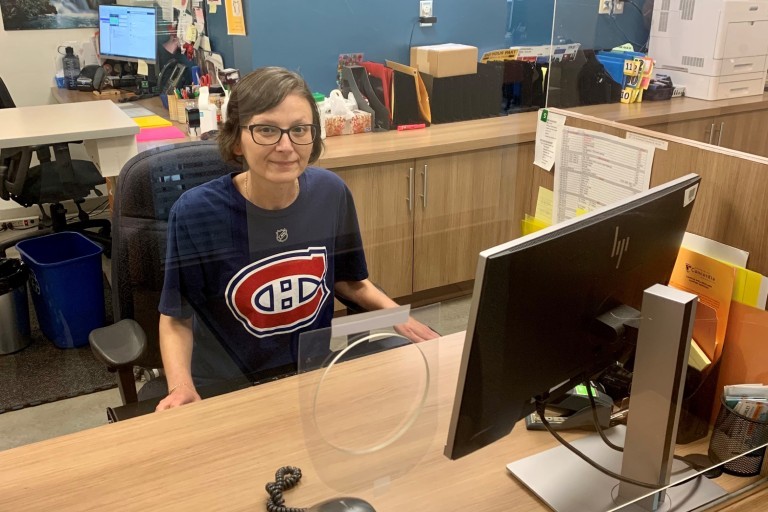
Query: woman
258, 255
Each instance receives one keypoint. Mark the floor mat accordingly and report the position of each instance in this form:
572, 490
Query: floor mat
43, 373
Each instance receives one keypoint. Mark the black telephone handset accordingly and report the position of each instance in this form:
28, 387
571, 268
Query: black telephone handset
172, 76
91, 78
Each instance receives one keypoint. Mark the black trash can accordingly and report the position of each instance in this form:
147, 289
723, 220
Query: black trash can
14, 308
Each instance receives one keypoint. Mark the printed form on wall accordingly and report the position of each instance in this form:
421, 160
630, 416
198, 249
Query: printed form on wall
596, 169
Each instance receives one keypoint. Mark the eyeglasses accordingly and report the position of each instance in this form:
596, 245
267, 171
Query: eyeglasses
267, 135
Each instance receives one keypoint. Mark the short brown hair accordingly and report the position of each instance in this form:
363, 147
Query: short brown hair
257, 92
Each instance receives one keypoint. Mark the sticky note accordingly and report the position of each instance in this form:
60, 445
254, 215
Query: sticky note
151, 121
142, 68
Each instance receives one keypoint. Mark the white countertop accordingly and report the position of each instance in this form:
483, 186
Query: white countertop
24, 126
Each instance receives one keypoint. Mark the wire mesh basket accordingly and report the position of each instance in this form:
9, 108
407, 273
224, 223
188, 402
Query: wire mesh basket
734, 434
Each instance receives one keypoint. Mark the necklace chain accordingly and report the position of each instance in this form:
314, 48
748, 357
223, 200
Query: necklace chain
248, 190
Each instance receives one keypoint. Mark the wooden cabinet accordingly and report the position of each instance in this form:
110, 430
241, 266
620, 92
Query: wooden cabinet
464, 205
424, 222
746, 131
386, 224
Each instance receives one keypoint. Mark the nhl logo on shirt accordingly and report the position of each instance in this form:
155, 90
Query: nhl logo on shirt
281, 235
280, 294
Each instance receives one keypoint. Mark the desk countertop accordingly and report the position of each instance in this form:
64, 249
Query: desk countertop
23, 126
441, 139
219, 453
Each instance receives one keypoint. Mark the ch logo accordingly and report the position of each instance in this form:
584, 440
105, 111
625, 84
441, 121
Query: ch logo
281, 235
620, 246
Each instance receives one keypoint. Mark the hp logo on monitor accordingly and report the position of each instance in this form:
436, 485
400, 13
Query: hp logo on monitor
620, 246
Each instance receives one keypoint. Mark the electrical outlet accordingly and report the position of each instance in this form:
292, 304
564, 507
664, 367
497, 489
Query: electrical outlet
604, 6
425, 11
425, 8
618, 7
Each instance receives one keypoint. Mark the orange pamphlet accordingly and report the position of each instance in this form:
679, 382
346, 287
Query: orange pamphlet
712, 281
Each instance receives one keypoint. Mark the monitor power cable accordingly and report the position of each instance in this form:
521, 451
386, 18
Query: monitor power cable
540, 409
684, 459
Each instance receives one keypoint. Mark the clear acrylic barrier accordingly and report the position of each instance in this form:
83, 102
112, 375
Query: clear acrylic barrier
368, 400
730, 484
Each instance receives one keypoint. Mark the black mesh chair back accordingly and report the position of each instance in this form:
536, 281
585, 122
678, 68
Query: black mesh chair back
148, 185
56, 178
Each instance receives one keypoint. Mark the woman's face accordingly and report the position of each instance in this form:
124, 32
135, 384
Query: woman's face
281, 163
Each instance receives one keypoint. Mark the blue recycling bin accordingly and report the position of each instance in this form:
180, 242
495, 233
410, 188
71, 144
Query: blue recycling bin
65, 281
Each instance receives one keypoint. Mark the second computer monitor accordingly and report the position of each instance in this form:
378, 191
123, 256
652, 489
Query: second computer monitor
128, 33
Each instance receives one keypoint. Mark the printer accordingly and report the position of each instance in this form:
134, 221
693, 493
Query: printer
715, 48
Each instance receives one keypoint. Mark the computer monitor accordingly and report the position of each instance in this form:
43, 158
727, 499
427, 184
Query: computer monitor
128, 33
534, 332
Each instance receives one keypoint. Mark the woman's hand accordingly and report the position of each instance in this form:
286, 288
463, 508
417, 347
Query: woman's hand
415, 331
179, 395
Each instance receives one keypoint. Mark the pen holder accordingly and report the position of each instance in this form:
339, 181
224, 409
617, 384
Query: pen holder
173, 108
734, 434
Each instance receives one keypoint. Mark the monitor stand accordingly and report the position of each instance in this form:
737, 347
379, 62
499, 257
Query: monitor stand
568, 484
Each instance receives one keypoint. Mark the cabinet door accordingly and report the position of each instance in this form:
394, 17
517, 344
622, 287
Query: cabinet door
464, 204
746, 132
381, 198
700, 130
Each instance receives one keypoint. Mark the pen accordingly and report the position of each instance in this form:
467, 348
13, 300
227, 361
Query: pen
418, 126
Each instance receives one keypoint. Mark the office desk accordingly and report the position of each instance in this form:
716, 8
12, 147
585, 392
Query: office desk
218, 455
108, 134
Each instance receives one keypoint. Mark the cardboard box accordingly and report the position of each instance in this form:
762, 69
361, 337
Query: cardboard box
443, 60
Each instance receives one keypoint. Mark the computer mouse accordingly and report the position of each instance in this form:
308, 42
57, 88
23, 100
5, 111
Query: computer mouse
345, 504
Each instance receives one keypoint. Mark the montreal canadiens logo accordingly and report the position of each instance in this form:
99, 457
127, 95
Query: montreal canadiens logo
280, 294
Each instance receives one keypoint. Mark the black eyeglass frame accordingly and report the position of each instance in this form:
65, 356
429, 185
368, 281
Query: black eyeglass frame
314, 130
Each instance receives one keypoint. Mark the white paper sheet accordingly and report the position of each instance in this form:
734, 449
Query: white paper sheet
548, 129
595, 169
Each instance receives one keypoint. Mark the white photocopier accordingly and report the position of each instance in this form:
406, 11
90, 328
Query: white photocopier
715, 48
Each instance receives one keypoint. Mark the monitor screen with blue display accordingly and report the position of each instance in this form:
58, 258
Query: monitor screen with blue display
127, 32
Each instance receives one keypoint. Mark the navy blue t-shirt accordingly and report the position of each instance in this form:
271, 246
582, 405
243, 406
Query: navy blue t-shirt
256, 279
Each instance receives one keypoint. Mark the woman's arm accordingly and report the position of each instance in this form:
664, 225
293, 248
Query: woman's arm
366, 295
176, 349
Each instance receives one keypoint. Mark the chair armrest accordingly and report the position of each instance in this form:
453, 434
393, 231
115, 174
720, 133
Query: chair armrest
119, 344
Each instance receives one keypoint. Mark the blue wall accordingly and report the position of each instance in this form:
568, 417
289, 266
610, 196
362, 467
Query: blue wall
308, 35
576, 21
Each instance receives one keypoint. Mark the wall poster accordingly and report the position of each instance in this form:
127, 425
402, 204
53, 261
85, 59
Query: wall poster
49, 14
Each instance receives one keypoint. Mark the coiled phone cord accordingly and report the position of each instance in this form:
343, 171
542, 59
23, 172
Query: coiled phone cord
285, 478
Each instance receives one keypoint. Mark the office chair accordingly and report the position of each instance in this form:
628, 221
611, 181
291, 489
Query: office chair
50, 182
149, 184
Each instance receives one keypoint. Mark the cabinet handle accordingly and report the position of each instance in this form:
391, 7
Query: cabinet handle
711, 132
424, 195
720, 135
409, 199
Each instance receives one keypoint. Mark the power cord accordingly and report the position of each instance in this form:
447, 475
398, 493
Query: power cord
540, 409
285, 478
685, 460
